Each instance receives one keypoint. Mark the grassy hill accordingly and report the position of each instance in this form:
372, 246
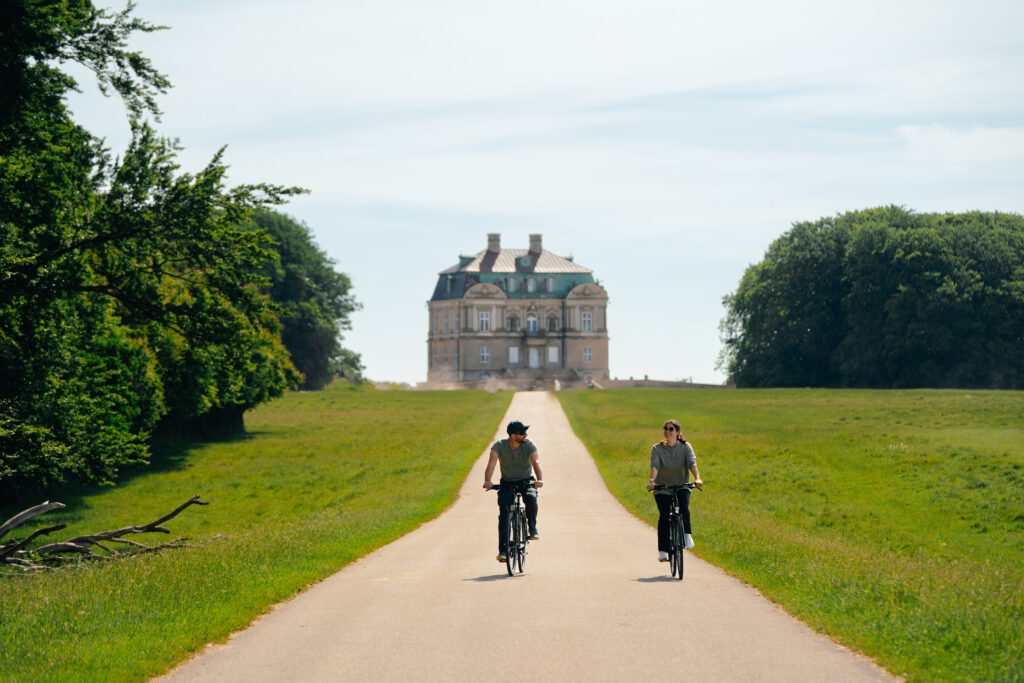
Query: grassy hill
891, 520
319, 480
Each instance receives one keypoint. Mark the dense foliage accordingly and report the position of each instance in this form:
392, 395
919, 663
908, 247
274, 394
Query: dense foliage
883, 298
129, 291
314, 301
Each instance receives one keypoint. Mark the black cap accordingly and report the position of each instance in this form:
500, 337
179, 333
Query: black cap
516, 427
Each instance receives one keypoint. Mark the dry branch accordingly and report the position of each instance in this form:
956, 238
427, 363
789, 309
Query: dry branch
16, 554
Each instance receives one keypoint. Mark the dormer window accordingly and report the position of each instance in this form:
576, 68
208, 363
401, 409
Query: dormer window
531, 285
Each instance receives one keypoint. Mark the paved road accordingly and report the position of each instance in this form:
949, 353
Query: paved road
594, 604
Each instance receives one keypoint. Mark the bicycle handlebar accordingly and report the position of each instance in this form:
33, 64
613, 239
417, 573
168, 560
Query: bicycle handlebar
678, 487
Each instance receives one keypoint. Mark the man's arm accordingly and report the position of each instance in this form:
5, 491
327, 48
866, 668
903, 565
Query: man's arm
489, 472
535, 459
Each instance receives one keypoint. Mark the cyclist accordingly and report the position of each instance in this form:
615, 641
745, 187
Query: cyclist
672, 461
516, 454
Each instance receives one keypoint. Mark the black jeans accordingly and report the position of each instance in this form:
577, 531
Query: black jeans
506, 497
664, 505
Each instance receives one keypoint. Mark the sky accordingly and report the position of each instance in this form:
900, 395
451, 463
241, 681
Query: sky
663, 144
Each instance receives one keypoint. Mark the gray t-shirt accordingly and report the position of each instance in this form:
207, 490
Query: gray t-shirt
673, 464
515, 463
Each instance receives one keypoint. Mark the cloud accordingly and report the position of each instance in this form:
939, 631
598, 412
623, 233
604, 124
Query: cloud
963, 146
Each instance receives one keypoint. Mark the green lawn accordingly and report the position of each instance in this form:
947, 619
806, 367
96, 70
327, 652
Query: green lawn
891, 520
320, 480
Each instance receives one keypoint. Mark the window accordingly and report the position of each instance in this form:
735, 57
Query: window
588, 354
551, 284
485, 321
446, 321
531, 285
485, 355
456, 326
513, 354
552, 324
588, 321
513, 284
444, 356
513, 324
552, 354
532, 326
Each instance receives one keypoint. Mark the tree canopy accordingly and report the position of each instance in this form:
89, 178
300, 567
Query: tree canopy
315, 301
130, 292
883, 298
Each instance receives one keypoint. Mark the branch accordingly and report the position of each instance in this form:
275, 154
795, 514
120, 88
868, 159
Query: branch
14, 553
26, 515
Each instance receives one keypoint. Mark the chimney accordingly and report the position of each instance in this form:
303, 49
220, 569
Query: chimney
494, 242
535, 247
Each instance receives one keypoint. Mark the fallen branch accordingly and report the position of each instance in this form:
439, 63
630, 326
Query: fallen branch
16, 553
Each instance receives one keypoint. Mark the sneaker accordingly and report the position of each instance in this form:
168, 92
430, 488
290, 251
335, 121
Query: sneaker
687, 541
502, 558
534, 535
662, 556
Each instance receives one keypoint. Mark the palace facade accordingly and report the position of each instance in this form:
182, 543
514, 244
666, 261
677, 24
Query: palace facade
517, 314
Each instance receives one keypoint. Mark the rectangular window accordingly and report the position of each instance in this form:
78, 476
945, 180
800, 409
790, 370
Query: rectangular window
513, 354
588, 321
444, 357
511, 284
485, 321
588, 354
446, 321
485, 355
456, 320
552, 354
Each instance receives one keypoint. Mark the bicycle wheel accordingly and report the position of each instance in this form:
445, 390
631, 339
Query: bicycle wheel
521, 542
673, 544
679, 548
510, 548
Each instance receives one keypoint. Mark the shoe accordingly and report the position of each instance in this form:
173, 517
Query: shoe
534, 535
662, 556
502, 558
687, 541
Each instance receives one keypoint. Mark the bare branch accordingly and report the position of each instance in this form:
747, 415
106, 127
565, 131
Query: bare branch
26, 515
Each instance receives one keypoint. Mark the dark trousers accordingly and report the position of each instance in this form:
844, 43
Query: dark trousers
664, 506
506, 497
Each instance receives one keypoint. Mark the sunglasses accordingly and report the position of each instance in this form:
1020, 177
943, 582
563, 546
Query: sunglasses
668, 429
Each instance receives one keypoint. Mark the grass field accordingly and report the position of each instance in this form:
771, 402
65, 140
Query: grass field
320, 480
893, 521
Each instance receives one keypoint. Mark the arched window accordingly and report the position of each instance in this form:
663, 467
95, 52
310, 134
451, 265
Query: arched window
532, 326
531, 285
552, 324
513, 324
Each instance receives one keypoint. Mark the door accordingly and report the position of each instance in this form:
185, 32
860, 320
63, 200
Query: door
534, 358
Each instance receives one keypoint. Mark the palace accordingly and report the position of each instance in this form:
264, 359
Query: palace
517, 314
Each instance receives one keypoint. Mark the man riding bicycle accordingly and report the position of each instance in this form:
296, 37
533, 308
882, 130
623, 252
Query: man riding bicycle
517, 455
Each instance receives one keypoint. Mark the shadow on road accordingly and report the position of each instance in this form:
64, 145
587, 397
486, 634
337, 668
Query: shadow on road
657, 579
492, 577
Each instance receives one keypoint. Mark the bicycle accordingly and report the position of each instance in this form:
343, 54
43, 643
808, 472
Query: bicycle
676, 533
516, 529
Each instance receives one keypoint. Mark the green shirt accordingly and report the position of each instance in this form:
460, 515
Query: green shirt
515, 463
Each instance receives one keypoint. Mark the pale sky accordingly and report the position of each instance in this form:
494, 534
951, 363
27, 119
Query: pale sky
662, 144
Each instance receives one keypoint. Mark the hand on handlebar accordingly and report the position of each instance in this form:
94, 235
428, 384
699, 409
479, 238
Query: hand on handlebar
488, 486
651, 485
699, 484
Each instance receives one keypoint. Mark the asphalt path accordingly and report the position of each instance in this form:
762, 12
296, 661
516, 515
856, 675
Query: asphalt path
594, 602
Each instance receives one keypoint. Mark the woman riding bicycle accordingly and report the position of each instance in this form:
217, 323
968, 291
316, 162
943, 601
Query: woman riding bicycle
672, 461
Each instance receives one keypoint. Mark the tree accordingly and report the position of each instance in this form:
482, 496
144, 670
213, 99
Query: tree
128, 291
883, 298
314, 300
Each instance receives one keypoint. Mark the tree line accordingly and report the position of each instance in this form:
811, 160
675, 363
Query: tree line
884, 297
133, 295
